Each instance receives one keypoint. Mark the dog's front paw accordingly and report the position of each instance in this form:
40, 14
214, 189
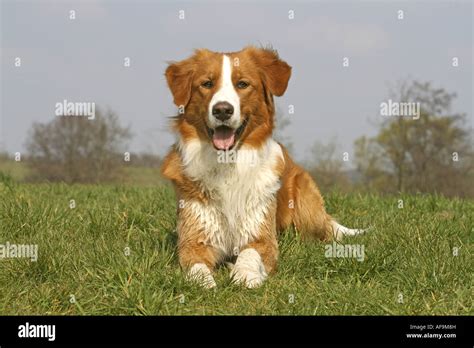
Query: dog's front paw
249, 269
201, 274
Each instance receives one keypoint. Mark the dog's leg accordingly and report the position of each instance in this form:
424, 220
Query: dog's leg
308, 213
255, 262
259, 258
198, 261
196, 257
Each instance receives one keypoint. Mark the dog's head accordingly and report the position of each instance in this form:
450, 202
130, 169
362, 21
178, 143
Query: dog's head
227, 98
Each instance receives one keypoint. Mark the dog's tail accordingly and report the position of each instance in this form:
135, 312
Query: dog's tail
325, 228
341, 231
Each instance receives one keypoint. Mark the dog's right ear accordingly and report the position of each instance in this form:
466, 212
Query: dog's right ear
180, 77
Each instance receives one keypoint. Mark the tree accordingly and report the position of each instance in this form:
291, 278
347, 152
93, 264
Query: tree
282, 122
430, 154
369, 162
327, 167
76, 149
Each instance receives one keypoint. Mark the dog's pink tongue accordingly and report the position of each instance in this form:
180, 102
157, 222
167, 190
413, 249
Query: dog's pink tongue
223, 138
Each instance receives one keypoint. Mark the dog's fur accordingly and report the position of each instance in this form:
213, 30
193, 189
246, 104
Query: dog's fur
234, 211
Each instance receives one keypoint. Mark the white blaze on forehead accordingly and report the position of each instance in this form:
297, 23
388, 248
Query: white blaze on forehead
226, 93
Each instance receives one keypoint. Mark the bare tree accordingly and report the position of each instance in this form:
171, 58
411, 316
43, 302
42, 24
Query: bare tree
76, 149
327, 167
282, 121
433, 153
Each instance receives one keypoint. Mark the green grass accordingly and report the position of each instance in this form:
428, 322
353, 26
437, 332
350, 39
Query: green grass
130, 175
409, 251
16, 170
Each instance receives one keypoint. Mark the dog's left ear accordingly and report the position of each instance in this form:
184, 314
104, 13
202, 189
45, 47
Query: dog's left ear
180, 77
276, 71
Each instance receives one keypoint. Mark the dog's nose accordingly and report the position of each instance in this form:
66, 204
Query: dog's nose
222, 111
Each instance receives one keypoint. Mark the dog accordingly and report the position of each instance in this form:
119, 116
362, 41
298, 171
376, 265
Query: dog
236, 187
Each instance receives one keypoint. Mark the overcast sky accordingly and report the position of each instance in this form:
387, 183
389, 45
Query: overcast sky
82, 59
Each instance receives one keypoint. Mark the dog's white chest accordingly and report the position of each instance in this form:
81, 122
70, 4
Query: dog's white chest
240, 192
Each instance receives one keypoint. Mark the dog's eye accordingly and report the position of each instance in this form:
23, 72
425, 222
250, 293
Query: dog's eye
242, 84
207, 84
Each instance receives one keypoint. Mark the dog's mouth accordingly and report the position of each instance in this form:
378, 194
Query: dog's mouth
225, 138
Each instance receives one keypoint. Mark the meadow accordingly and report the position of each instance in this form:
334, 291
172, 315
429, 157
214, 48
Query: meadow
114, 252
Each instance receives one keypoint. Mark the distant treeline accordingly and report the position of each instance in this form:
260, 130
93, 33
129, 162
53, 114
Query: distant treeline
79, 150
430, 153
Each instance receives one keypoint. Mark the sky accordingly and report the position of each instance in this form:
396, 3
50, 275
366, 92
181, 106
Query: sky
82, 60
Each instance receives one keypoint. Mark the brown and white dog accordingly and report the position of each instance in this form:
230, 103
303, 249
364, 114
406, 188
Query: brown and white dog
233, 207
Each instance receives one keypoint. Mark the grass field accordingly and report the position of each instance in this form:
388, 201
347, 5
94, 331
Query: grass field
409, 266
